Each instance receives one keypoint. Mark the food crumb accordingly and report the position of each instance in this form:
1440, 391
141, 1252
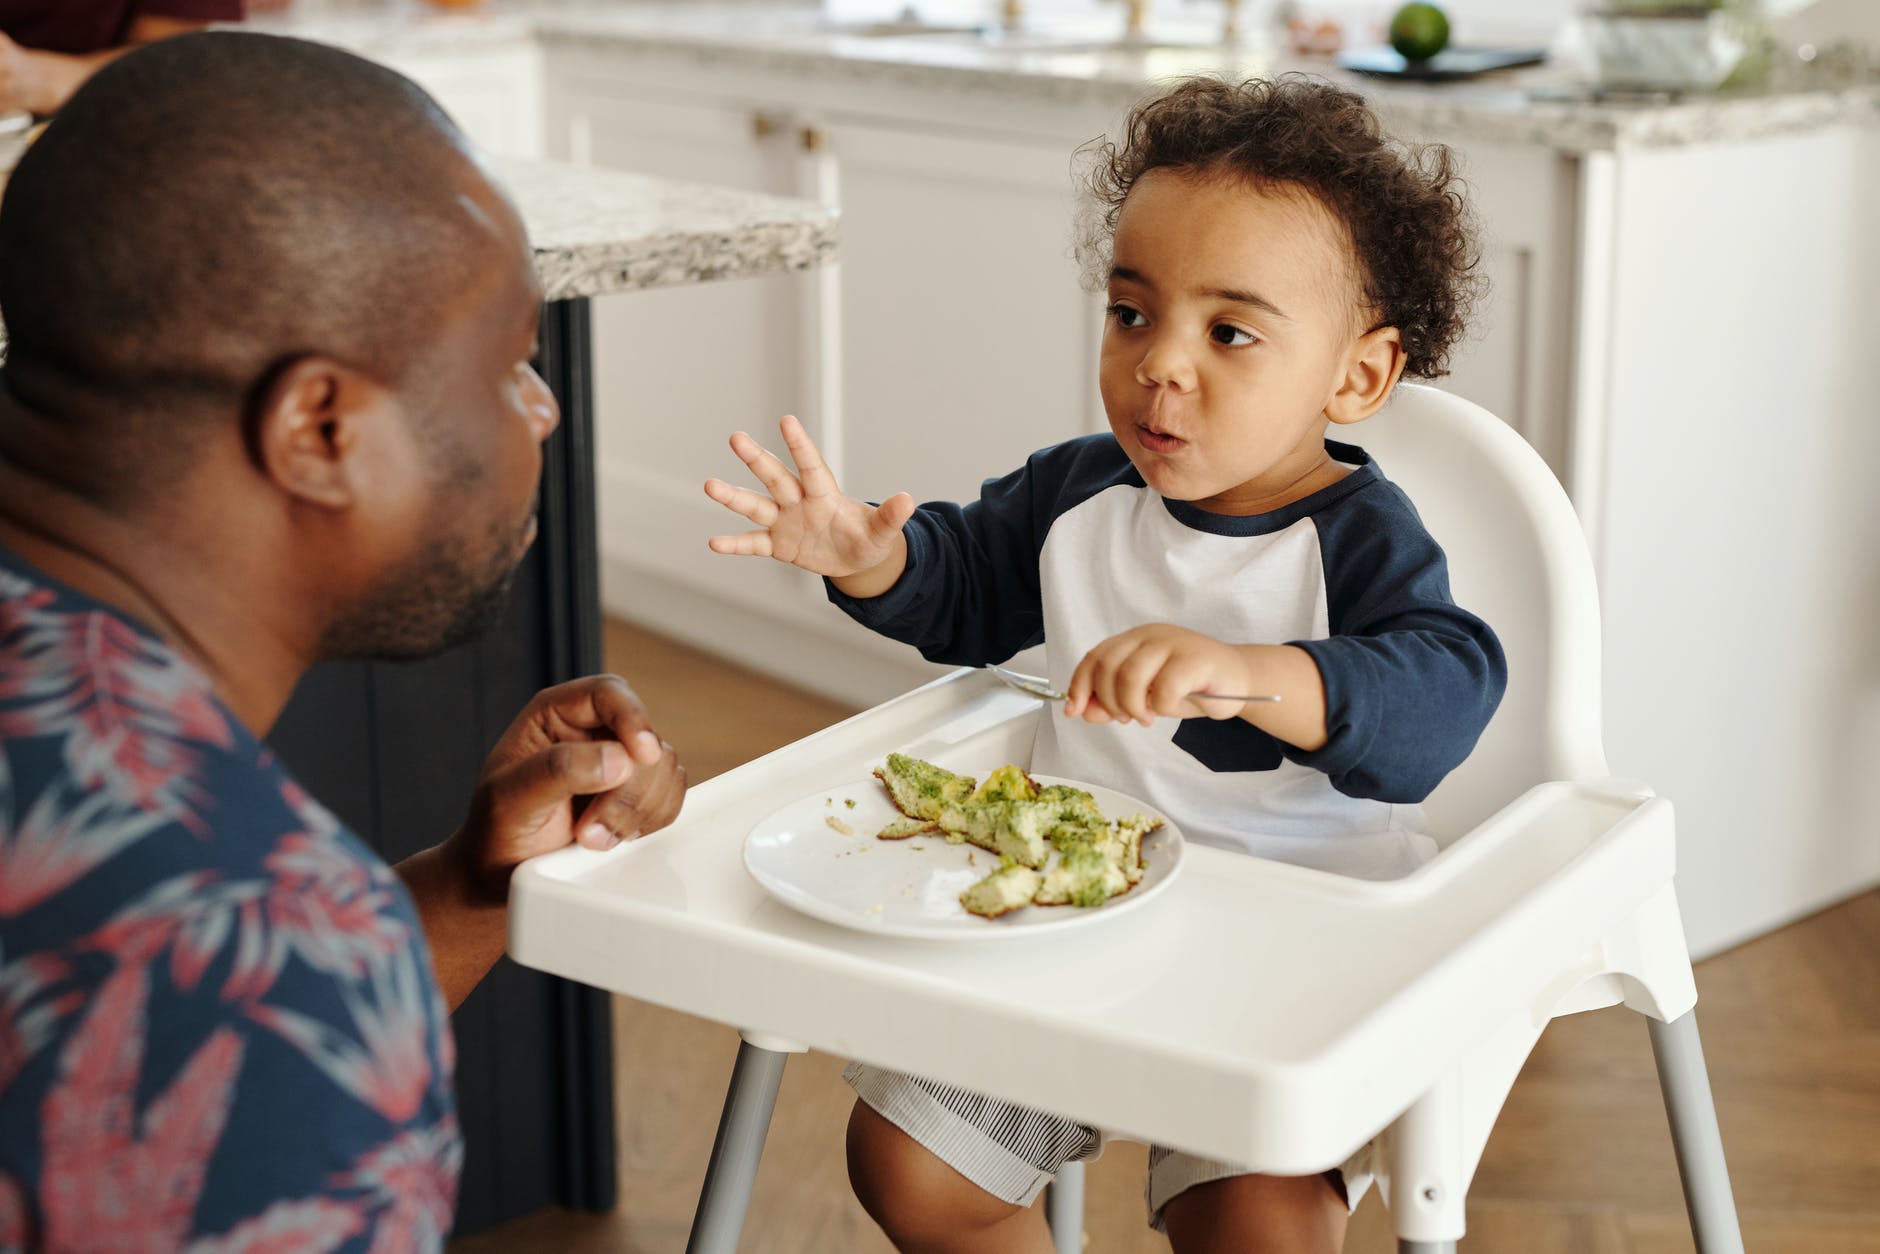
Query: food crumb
849, 802
876, 909
839, 825
829, 801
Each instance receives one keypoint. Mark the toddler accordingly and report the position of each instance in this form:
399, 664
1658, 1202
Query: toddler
1273, 265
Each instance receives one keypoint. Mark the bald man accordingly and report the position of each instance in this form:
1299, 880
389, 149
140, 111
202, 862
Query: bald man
268, 400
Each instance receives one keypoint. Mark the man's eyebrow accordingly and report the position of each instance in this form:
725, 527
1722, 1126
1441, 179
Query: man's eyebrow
1234, 294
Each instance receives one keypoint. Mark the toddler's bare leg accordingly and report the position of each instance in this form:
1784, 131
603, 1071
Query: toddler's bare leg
924, 1205
1258, 1215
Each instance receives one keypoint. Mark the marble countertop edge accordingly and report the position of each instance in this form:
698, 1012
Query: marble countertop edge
601, 231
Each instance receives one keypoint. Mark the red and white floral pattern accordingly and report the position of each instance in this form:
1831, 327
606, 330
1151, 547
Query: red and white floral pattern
206, 1003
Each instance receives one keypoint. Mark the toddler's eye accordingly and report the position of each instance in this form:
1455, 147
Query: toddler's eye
1231, 336
1126, 315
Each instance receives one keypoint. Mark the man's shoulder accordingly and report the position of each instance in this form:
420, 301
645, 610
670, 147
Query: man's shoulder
125, 784
128, 714
174, 904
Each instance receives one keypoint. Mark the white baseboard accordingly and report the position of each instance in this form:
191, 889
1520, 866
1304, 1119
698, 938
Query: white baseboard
845, 662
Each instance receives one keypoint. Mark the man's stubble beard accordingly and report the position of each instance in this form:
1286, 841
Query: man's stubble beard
437, 600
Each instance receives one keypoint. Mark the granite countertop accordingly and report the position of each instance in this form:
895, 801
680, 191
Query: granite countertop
1529, 107
599, 231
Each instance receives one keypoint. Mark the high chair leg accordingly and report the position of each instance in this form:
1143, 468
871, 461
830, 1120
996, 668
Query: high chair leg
1694, 1134
1064, 1209
726, 1194
1405, 1246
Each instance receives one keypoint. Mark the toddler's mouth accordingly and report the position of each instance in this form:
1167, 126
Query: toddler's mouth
1158, 441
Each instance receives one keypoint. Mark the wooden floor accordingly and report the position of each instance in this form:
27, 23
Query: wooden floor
1580, 1161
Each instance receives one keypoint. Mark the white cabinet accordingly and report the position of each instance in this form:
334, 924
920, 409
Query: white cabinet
1517, 360
494, 93
951, 341
676, 370
968, 342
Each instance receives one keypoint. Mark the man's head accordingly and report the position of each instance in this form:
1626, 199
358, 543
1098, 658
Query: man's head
266, 276
1273, 263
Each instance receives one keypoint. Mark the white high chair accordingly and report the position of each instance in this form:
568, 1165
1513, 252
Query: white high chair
1422, 997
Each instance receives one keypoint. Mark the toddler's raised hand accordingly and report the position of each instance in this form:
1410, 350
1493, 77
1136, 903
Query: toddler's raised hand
805, 520
1148, 672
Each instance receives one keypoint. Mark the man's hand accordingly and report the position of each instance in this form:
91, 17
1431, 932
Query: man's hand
21, 82
581, 762
582, 758
1146, 673
805, 520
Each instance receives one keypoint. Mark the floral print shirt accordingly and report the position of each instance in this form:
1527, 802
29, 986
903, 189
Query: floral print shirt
219, 1028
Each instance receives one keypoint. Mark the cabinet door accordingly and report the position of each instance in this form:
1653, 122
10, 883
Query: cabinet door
494, 93
968, 342
1517, 358
678, 369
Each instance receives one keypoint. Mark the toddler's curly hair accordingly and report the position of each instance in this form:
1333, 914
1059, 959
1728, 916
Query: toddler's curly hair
1411, 228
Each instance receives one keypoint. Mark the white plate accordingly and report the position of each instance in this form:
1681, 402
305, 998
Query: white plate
912, 887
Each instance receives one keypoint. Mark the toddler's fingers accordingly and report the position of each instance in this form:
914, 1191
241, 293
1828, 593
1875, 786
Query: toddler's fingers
1134, 676
890, 516
769, 469
750, 544
817, 478
755, 506
1103, 685
1077, 692
1168, 693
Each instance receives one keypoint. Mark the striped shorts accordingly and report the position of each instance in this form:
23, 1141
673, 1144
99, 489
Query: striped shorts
1012, 1151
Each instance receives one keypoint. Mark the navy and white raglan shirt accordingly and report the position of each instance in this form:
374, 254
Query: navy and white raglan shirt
1074, 548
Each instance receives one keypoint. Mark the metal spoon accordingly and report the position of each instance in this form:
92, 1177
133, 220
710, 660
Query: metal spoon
1038, 687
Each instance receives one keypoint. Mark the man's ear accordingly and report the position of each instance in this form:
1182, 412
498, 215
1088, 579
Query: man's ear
1372, 368
307, 425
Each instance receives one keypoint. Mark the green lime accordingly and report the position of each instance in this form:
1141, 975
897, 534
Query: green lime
1419, 31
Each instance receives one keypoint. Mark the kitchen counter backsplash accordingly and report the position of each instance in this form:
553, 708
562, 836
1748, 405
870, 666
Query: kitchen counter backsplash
1536, 107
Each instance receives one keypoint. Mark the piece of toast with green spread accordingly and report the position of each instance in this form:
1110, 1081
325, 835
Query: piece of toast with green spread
1009, 888
1025, 824
920, 789
1083, 876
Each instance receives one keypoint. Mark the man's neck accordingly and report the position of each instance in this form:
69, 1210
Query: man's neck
164, 582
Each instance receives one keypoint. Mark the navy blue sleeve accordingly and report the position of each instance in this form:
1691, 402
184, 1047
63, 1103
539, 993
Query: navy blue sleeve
970, 593
1411, 679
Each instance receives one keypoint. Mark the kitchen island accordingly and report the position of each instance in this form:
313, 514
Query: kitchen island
394, 748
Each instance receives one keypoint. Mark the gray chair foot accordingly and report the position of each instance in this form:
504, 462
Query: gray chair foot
741, 1130
1064, 1209
1694, 1134
1425, 1247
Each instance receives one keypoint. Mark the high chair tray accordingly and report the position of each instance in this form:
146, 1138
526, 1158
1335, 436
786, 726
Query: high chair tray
1254, 1012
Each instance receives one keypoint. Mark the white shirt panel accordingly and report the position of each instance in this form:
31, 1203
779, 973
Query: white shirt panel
1121, 560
